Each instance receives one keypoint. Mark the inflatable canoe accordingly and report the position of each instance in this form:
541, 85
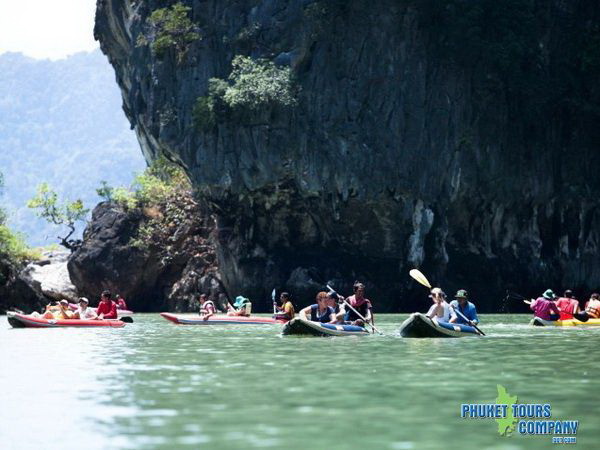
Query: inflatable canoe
190, 319
536, 321
308, 328
23, 321
420, 326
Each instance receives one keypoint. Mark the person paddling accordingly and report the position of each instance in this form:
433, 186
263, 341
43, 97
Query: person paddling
319, 312
462, 305
440, 310
592, 308
567, 305
207, 307
361, 304
107, 309
286, 310
544, 306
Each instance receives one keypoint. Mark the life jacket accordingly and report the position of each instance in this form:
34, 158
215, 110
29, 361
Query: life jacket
593, 309
203, 309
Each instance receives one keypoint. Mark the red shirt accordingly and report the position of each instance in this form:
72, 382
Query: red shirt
121, 303
567, 307
109, 309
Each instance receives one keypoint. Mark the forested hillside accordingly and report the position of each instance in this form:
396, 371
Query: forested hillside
61, 122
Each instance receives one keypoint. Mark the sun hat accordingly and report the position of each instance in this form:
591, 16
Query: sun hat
239, 301
64, 301
83, 299
549, 294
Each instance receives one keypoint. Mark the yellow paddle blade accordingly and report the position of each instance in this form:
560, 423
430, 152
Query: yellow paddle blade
417, 275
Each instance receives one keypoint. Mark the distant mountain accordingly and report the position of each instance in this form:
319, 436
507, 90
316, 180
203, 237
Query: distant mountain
61, 122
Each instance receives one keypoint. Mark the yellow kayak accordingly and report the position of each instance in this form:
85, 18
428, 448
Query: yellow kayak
536, 321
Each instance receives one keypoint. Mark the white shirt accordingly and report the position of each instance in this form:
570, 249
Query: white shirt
88, 313
445, 317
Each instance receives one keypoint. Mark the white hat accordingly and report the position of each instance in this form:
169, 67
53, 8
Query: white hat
83, 299
65, 301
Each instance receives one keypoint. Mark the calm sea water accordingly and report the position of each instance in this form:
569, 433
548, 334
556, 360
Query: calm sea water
154, 384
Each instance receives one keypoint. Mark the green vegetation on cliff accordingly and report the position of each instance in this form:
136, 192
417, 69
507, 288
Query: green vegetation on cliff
252, 86
158, 192
170, 28
12, 245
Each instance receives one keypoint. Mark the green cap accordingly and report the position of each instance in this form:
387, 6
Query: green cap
461, 294
549, 294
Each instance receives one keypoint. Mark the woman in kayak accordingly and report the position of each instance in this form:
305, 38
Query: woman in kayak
286, 310
241, 307
319, 312
440, 310
55, 311
121, 302
207, 307
83, 312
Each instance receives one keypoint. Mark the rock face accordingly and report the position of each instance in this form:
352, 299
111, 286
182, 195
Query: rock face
16, 291
51, 276
459, 137
163, 270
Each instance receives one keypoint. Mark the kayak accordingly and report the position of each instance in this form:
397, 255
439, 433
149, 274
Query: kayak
536, 321
309, 328
419, 325
17, 320
190, 319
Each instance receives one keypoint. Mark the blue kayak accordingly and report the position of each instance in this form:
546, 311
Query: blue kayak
419, 326
308, 328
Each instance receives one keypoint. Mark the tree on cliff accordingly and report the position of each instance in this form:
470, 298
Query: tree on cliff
170, 28
66, 214
12, 245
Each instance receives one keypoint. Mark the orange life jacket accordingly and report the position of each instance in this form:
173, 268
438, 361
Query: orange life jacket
593, 309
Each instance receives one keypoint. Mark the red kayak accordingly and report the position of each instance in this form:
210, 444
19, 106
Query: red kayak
190, 319
23, 321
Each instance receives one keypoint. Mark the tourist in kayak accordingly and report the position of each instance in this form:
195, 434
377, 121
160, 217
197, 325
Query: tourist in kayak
567, 305
83, 312
544, 306
207, 307
463, 306
440, 310
55, 311
361, 304
336, 302
592, 308
107, 309
286, 310
121, 302
241, 307
319, 312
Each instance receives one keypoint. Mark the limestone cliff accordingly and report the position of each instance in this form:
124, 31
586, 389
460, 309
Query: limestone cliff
457, 136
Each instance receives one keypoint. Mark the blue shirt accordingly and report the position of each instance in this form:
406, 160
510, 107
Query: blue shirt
468, 311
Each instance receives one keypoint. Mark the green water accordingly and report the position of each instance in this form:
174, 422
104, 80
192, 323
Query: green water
154, 384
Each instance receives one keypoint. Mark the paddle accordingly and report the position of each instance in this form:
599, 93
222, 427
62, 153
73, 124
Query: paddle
422, 279
126, 319
356, 312
274, 302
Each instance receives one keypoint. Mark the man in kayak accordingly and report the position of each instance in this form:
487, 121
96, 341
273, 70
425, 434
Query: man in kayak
286, 310
361, 304
121, 302
83, 312
440, 310
465, 307
107, 309
207, 307
544, 306
319, 312
567, 305
241, 307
